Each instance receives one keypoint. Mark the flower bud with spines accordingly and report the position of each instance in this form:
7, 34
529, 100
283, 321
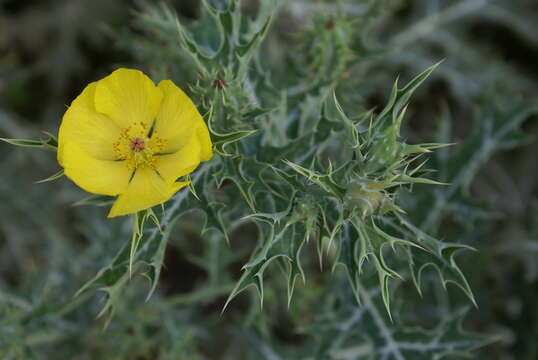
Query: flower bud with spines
368, 197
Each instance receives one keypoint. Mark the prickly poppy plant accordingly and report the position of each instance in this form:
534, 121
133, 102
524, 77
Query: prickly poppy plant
280, 206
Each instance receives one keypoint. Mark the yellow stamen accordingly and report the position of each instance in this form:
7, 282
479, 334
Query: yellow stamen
135, 148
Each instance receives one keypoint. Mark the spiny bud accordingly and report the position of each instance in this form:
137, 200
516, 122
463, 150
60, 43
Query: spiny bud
369, 198
330, 24
220, 84
303, 210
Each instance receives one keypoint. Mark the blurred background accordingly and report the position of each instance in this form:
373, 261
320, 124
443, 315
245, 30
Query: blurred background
50, 50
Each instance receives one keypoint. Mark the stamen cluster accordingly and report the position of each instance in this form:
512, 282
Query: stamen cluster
137, 146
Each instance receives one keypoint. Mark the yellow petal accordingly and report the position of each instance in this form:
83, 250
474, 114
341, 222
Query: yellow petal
96, 176
94, 132
180, 163
178, 119
128, 97
145, 190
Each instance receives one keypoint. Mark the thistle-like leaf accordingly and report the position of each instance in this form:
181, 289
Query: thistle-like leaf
53, 177
50, 143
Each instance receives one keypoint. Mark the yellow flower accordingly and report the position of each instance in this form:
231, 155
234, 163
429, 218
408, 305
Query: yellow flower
125, 136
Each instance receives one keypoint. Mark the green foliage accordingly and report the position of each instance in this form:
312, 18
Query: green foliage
353, 201
308, 181
366, 333
51, 143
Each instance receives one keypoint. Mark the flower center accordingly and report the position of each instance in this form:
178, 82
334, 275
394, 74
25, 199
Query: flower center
137, 144
135, 148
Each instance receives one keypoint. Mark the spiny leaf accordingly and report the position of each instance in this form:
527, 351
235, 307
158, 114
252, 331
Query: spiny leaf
351, 129
494, 129
246, 51
95, 200
324, 181
139, 220
273, 217
282, 242
56, 176
221, 141
254, 270
150, 250
400, 97
214, 217
290, 248
373, 336
364, 241
51, 143
440, 256
154, 219
191, 187
232, 170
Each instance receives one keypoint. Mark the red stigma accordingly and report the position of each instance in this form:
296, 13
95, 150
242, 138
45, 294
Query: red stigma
137, 144
219, 84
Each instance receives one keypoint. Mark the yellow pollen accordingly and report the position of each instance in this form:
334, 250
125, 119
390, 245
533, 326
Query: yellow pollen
135, 148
